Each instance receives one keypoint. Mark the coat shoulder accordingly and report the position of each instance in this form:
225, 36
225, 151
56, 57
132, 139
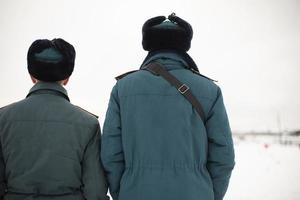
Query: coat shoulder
87, 112
2, 108
9, 106
125, 74
199, 74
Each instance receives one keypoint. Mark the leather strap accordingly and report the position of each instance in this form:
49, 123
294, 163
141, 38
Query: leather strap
158, 70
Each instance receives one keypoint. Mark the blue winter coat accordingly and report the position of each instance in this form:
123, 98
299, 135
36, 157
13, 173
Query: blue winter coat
155, 146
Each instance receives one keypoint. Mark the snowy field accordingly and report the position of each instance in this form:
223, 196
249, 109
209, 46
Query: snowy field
265, 170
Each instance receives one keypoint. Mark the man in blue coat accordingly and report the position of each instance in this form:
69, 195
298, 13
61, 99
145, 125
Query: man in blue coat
155, 146
49, 148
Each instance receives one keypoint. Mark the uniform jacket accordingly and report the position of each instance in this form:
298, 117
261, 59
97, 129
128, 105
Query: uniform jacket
49, 148
154, 144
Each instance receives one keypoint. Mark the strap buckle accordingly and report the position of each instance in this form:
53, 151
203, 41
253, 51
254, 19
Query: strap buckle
183, 88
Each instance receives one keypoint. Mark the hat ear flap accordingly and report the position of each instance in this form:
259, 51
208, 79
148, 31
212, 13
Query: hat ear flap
152, 22
182, 23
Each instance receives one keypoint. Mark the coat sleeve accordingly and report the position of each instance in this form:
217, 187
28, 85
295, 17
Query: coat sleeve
220, 161
2, 174
112, 152
93, 176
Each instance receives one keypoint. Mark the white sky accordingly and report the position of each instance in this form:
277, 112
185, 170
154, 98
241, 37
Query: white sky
252, 47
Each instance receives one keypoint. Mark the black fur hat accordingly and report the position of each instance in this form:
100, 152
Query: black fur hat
174, 34
51, 61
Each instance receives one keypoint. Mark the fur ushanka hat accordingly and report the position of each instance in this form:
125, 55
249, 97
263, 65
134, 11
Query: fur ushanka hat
50, 60
174, 33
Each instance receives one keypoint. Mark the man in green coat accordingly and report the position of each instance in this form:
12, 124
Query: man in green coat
155, 146
50, 148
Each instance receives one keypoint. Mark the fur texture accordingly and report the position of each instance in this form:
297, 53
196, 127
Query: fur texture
51, 70
156, 36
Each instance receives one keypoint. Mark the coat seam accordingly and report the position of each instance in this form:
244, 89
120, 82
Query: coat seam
156, 94
47, 121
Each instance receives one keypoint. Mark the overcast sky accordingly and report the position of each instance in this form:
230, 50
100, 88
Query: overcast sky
252, 47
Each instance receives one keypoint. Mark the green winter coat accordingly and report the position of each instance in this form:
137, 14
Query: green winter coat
154, 144
49, 149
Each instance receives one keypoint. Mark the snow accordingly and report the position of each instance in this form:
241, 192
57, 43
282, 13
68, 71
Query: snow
265, 170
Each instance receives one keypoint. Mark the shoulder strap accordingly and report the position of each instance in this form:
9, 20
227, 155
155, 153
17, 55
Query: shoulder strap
156, 69
125, 74
87, 112
198, 73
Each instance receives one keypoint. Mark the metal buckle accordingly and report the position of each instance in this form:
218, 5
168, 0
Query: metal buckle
183, 88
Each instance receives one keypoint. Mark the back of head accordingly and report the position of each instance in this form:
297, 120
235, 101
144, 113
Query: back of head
50, 60
172, 34
161, 33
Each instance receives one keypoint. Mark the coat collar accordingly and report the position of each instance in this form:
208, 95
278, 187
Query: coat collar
170, 60
49, 88
182, 58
